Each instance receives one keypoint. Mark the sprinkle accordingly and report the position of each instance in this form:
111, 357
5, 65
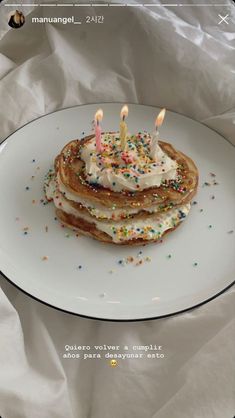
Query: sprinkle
195, 264
67, 235
55, 219
32, 177
27, 188
213, 197
206, 183
194, 203
33, 201
25, 232
45, 258
33, 161
210, 226
148, 258
181, 214
26, 228
46, 228
212, 175
231, 231
169, 256
201, 210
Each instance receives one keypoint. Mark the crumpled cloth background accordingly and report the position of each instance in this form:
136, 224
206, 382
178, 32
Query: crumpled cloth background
178, 58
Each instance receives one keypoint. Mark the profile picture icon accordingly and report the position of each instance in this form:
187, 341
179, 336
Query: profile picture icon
16, 19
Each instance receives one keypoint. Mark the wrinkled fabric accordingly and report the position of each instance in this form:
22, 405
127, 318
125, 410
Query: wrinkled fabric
162, 56
178, 58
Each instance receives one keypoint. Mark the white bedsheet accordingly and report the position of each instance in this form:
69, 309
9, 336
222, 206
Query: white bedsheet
178, 58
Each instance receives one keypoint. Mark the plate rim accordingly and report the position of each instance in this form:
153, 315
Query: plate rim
180, 312
173, 314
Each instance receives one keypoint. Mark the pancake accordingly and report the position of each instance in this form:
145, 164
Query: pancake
70, 169
90, 229
55, 190
94, 194
144, 227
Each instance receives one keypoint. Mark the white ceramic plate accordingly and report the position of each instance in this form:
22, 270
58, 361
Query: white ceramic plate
157, 288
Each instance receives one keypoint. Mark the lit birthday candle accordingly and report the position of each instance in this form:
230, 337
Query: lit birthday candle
123, 126
98, 119
155, 135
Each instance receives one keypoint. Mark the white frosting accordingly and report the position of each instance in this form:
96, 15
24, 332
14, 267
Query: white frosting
143, 171
50, 188
149, 228
152, 227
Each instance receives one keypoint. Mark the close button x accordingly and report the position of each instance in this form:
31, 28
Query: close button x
223, 19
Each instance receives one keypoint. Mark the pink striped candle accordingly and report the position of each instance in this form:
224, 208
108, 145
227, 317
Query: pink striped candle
98, 119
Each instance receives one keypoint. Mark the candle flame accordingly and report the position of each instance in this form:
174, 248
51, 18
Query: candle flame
124, 111
160, 118
99, 115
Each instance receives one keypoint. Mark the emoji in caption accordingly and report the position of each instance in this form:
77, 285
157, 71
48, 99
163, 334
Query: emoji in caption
113, 363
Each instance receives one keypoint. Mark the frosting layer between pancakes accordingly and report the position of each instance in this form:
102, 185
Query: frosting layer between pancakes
54, 186
149, 227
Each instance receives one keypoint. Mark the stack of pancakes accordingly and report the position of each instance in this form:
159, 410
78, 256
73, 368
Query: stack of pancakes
121, 217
